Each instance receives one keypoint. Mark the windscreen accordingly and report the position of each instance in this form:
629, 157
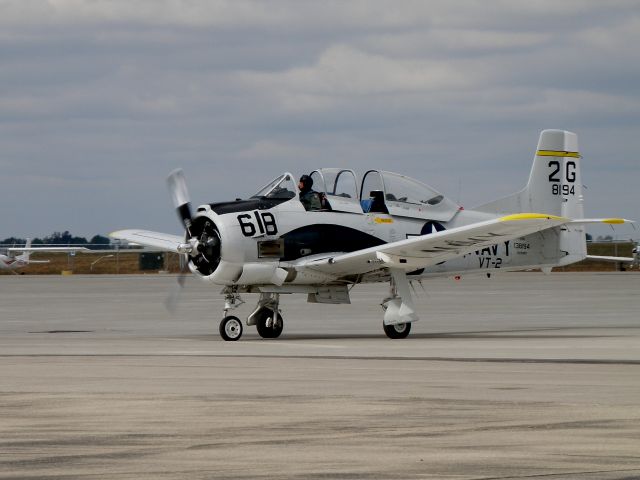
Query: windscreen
280, 188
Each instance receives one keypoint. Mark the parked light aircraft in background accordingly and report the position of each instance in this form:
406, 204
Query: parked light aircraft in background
12, 262
389, 227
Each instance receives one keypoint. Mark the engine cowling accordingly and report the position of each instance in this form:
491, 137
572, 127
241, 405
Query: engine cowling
208, 251
219, 258
206, 261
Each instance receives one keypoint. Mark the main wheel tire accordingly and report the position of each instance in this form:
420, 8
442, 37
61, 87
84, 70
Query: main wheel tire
269, 324
399, 330
230, 328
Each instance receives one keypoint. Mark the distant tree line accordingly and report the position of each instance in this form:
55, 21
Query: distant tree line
61, 238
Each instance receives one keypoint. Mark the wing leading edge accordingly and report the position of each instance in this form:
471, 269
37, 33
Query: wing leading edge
161, 241
46, 250
427, 250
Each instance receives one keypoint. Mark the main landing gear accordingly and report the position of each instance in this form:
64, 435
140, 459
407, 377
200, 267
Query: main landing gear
397, 331
399, 310
268, 323
266, 317
398, 316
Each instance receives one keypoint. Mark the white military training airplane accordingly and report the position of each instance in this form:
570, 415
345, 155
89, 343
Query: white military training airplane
12, 262
393, 228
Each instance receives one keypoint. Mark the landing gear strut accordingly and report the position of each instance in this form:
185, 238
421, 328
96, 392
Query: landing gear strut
230, 326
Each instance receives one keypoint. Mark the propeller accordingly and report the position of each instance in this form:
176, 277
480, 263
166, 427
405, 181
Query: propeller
177, 185
180, 194
202, 248
173, 299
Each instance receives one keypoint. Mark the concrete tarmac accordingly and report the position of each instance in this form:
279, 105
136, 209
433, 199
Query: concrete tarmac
518, 376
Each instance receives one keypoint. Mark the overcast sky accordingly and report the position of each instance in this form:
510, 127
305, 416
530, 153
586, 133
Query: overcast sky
99, 100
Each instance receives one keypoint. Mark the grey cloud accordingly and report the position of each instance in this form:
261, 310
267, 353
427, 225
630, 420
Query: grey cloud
99, 100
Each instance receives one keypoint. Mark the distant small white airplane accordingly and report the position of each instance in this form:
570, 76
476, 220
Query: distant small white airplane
12, 262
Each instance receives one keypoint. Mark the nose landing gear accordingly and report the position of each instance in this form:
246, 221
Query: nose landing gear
266, 316
230, 328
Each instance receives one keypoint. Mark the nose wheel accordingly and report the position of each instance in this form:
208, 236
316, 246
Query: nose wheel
230, 328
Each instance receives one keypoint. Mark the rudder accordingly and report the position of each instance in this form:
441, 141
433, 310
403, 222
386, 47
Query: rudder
25, 256
555, 184
555, 188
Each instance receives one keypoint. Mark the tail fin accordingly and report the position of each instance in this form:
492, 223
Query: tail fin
555, 184
25, 256
554, 187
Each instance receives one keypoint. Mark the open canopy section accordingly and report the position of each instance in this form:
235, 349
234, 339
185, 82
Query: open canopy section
340, 186
388, 192
380, 192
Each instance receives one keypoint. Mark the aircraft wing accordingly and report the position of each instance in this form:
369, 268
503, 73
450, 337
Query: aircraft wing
161, 241
425, 250
46, 249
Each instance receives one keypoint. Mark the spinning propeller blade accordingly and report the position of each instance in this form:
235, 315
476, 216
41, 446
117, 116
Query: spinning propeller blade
173, 299
202, 247
180, 195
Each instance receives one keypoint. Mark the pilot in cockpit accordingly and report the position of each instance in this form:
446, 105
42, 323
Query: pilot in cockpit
308, 197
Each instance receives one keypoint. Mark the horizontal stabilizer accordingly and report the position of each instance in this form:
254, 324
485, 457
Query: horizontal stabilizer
606, 221
599, 258
162, 241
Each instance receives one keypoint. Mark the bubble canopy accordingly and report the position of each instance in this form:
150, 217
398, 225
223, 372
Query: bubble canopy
407, 197
402, 195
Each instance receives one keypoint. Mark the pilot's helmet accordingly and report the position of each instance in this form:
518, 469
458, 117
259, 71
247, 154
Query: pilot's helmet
307, 182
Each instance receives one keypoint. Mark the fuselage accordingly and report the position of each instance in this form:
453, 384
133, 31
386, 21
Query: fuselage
260, 237
11, 263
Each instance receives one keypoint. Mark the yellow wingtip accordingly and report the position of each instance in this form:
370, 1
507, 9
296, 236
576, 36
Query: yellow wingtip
613, 221
530, 216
